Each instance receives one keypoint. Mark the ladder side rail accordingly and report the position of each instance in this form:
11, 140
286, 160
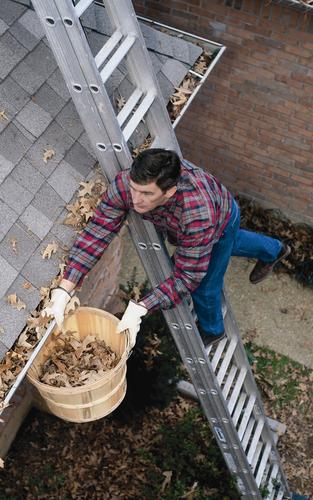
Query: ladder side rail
140, 68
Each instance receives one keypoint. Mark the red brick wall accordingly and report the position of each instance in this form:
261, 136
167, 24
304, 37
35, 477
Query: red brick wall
252, 122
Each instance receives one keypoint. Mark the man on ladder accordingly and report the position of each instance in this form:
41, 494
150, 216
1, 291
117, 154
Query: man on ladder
197, 214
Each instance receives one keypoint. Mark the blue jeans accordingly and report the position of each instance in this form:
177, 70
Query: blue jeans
207, 298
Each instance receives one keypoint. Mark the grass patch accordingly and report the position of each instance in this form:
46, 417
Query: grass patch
284, 381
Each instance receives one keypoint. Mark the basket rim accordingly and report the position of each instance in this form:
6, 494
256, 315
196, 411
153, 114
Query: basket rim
108, 373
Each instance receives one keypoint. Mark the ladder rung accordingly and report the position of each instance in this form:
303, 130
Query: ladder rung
246, 416
138, 115
271, 480
226, 361
218, 353
107, 48
255, 440
229, 381
237, 389
238, 407
263, 463
129, 106
256, 455
248, 432
117, 57
82, 6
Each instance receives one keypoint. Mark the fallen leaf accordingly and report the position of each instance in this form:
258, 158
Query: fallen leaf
86, 188
13, 243
1, 330
27, 285
3, 115
49, 250
1, 463
15, 302
48, 154
71, 306
167, 481
120, 102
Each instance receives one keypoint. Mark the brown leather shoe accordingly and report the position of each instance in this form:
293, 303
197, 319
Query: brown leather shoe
262, 269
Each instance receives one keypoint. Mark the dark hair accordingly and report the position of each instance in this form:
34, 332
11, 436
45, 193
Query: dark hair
156, 165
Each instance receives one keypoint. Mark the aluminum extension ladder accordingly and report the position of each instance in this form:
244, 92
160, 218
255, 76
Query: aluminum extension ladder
222, 377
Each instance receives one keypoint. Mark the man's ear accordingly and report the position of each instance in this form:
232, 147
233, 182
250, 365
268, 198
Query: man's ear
170, 192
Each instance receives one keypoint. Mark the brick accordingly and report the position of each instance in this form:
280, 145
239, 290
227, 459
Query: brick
34, 118
36, 221
27, 176
65, 180
8, 275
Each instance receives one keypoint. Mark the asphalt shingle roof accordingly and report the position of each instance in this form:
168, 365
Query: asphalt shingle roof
39, 115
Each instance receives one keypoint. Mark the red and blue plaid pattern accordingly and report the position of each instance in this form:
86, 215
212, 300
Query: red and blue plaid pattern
192, 220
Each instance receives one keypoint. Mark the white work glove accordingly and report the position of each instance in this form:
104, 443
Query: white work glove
59, 299
131, 320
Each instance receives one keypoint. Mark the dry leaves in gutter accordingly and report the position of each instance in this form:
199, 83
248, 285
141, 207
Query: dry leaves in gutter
181, 96
74, 362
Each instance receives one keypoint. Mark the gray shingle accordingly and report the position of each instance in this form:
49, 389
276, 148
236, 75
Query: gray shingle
174, 71
6, 167
3, 27
26, 175
49, 100
27, 78
64, 233
167, 88
41, 60
54, 137
34, 118
69, 120
31, 22
65, 180
85, 142
3, 348
16, 196
80, 159
25, 246
41, 271
48, 202
24, 36
95, 40
10, 11
56, 81
8, 275
30, 296
12, 97
13, 144
11, 53
94, 18
24, 131
7, 218
14, 322
36, 221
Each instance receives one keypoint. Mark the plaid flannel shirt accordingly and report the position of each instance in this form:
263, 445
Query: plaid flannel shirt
192, 220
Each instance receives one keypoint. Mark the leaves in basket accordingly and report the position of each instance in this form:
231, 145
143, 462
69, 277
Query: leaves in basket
75, 362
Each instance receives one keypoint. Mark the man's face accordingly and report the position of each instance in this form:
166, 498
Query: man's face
148, 196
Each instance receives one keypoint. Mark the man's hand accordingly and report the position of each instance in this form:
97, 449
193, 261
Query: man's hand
58, 301
131, 320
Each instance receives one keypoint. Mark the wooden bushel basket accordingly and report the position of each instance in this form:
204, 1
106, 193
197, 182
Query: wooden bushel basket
95, 399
